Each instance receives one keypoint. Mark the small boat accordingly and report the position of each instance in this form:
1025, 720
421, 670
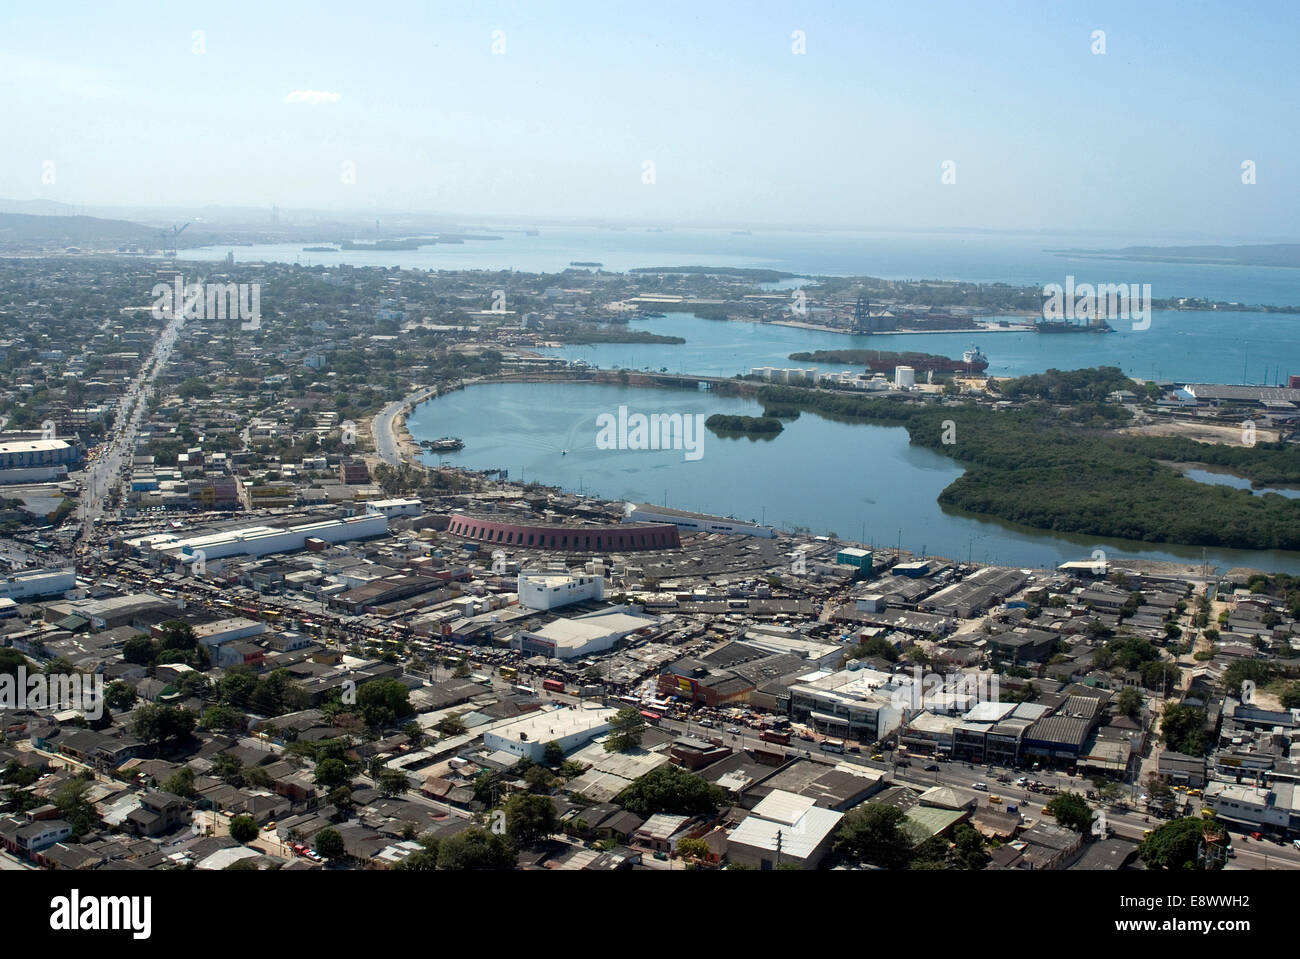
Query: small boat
564, 452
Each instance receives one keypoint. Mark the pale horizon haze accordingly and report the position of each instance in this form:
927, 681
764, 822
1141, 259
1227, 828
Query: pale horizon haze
555, 109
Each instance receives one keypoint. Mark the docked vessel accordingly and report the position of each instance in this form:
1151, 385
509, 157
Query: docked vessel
1058, 326
445, 444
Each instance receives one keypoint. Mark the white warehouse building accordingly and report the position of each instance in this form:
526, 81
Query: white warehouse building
37, 582
527, 736
261, 540
543, 590
409, 506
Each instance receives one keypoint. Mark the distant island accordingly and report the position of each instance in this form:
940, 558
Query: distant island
586, 336
747, 273
1269, 254
588, 263
320, 249
760, 425
414, 243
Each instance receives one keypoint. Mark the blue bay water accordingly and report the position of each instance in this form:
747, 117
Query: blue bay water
1217, 347
864, 483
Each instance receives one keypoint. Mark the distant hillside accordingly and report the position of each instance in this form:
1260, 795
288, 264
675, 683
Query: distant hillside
26, 232
1270, 254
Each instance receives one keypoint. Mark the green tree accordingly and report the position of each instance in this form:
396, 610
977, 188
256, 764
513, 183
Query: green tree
243, 829
689, 848
181, 783
626, 730
119, 695
140, 650
1071, 811
671, 789
74, 808
329, 843
529, 817
382, 702
874, 833
1161, 675
331, 773
451, 726
1290, 696
968, 848
223, 719
228, 768
1174, 845
156, 724
475, 849
1183, 728
1129, 702
553, 755
392, 782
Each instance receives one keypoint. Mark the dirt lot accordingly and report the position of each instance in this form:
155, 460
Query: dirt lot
1202, 432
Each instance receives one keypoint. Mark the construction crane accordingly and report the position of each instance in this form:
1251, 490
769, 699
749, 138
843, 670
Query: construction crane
169, 242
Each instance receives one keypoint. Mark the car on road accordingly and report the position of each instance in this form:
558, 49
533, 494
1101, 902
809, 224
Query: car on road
932, 768
1296, 843
733, 730
1257, 835
706, 723
982, 787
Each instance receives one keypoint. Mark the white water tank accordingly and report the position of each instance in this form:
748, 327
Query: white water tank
904, 377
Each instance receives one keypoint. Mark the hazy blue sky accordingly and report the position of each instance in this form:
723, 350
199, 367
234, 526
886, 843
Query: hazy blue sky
1043, 133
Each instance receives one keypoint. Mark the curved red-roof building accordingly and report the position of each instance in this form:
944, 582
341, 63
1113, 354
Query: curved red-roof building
620, 537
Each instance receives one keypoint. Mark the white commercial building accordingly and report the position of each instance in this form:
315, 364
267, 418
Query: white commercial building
853, 703
396, 507
527, 736
786, 827
543, 590
28, 454
1272, 807
647, 513
582, 636
261, 540
904, 377
227, 630
37, 582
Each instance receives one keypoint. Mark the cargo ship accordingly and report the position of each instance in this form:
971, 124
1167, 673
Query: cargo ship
1059, 326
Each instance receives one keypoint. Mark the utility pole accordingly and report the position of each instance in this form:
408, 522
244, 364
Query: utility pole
779, 842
